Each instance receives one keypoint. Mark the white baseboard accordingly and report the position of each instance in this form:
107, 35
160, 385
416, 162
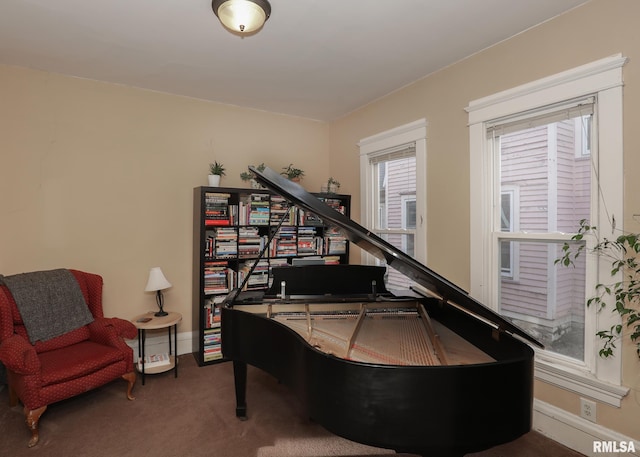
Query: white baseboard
575, 432
158, 343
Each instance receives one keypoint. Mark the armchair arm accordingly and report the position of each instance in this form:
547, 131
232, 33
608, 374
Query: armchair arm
111, 330
19, 356
125, 328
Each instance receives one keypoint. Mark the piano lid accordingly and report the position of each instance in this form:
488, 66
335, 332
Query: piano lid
373, 244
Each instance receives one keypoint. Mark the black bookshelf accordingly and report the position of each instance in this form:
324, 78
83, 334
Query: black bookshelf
231, 226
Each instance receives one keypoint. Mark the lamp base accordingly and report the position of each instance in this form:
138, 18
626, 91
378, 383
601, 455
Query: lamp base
160, 302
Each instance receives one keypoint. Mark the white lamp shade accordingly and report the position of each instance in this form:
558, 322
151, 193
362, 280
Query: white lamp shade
156, 281
243, 16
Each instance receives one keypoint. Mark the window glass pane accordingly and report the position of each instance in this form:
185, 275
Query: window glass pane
550, 167
545, 187
395, 279
506, 212
410, 213
546, 299
396, 209
395, 179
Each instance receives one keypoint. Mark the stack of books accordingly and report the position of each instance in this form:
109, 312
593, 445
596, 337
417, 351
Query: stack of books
216, 209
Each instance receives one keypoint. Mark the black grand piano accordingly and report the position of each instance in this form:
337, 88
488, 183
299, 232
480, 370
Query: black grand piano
432, 372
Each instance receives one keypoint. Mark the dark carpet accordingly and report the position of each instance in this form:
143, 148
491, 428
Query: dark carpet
194, 415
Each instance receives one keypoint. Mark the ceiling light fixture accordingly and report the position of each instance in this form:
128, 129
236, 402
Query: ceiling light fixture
242, 16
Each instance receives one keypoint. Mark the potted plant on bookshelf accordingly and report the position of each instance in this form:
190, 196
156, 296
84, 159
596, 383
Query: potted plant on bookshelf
216, 170
292, 173
331, 187
248, 177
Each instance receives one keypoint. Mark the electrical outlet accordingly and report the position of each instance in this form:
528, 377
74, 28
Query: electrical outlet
588, 409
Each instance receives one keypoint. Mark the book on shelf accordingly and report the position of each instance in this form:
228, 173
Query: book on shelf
212, 339
221, 243
212, 318
308, 218
334, 203
216, 209
253, 209
218, 278
281, 209
250, 242
208, 356
154, 360
259, 279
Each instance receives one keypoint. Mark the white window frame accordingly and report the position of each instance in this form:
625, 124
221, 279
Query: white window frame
597, 378
376, 145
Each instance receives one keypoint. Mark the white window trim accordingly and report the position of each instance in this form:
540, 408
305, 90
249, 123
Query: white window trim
598, 378
375, 145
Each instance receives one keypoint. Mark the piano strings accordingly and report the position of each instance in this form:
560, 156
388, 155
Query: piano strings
389, 333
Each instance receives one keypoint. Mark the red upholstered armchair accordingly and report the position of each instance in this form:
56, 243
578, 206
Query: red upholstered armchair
48, 371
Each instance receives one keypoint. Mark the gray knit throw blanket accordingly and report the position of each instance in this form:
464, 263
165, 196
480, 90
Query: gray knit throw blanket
50, 302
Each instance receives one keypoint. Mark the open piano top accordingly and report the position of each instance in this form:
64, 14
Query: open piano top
433, 373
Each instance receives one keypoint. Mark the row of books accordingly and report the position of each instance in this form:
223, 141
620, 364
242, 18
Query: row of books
259, 278
212, 315
253, 209
212, 347
220, 278
250, 242
212, 342
247, 243
260, 209
281, 209
216, 208
221, 243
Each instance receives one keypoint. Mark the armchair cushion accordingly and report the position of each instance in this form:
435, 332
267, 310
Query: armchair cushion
72, 362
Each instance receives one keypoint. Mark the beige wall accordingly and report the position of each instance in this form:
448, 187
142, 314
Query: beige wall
100, 177
599, 29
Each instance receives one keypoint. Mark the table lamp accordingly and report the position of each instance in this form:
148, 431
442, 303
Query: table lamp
157, 283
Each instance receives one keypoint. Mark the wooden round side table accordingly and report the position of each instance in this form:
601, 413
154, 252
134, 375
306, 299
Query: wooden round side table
148, 321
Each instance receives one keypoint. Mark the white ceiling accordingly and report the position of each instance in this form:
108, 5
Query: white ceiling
319, 59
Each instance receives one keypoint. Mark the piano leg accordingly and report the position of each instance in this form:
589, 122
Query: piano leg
240, 377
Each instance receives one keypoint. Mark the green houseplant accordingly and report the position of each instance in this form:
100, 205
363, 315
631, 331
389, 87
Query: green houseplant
333, 185
292, 173
247, 176
216, 170
622, 252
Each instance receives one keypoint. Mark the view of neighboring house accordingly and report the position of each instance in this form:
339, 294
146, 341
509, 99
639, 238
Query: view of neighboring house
545, 188
545, 176
396, 218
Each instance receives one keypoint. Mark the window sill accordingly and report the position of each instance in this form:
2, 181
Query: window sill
579, 382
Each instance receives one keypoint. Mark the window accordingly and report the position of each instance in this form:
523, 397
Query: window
544, 156
536, 155
393, 199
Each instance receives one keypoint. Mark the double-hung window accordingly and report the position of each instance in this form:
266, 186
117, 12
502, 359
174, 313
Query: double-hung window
393, 198
543, 157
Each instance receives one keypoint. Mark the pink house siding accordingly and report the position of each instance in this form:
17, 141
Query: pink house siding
552, 182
